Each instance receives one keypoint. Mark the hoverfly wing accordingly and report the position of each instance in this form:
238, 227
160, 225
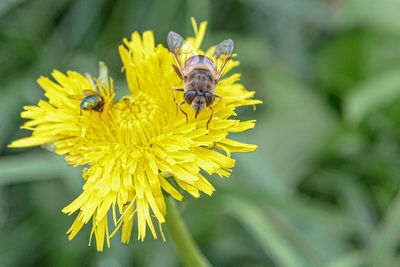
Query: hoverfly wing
180, 49
88, 92
224, 48
175, 42
223, 53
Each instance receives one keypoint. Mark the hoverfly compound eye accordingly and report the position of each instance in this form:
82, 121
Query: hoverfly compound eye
189, 96
209, 98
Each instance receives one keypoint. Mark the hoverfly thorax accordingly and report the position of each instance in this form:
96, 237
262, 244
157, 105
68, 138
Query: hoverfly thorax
200, 62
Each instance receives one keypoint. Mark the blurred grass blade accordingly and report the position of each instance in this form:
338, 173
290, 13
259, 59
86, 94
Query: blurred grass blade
300, 11
354, 199
6, 5
75, 24
381, 15
263, 229
7, 111
348, 260
372, 95
385, 240
31, 166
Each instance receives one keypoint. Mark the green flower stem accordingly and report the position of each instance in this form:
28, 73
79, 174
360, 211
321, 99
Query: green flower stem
188, 251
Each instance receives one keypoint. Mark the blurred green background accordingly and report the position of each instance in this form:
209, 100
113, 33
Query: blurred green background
321, 190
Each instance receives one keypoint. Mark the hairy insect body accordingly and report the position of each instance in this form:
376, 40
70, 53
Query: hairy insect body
199, 73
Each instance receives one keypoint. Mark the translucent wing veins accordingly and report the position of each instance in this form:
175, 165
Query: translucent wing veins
224, 48
88, 92
175, 42
223, 53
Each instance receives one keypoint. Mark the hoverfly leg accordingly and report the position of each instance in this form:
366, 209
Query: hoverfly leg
220, 97
173, 95
212, 113
179, 106
176, 89
178, 72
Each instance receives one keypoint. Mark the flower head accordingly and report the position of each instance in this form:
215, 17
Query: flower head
140, 146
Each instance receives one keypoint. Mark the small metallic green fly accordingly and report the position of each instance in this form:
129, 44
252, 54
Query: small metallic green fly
91, 101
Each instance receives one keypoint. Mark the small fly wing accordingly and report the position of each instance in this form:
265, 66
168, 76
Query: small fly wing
88, 92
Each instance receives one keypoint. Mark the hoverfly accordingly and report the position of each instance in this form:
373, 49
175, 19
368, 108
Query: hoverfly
91, 100
199, 73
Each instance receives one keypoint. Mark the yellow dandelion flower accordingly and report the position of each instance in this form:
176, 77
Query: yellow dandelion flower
140, 146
